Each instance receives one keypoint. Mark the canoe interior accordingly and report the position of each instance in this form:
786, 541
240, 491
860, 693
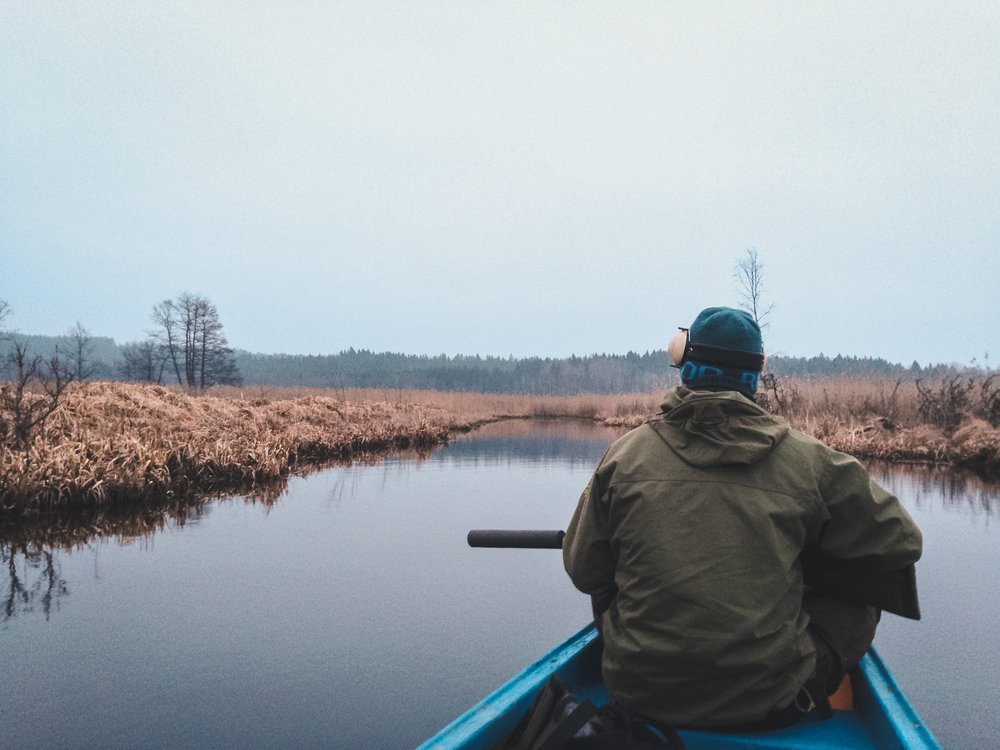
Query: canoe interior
882, 718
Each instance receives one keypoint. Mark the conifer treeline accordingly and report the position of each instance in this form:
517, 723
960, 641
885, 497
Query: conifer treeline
629, 373
595, 373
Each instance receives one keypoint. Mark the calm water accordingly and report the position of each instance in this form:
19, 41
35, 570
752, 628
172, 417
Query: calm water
351, 613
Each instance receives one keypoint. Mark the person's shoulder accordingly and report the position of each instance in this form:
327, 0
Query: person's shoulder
805, 439
637, 434
829, 462
636, 440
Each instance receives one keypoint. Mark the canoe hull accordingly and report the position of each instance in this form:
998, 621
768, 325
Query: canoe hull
882, 717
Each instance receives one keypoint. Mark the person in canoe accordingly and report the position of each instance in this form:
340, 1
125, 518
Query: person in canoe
690, 539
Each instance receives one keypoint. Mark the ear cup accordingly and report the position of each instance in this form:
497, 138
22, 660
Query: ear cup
678, 346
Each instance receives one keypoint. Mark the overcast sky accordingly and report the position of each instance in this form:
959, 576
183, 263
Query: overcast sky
505, 178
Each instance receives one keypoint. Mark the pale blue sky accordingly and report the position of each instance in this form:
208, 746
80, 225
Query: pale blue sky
505, 178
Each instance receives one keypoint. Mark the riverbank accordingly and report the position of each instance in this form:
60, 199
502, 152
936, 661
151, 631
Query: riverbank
109, 444
113, 443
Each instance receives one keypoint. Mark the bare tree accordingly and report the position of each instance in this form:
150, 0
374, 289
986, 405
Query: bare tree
144, 360
22, 408
190, 333
749, 276
4, 364
23, 411
79, 357
165, 315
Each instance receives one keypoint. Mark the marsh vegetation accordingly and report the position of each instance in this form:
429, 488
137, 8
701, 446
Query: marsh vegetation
107, 444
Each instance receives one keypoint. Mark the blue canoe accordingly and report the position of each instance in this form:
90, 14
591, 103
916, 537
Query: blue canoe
881, 716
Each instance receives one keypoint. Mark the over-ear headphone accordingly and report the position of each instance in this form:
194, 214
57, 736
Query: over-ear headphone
677, 348
681, 349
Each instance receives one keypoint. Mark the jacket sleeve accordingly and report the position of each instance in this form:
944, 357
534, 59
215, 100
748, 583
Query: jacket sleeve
587, 554
867, 524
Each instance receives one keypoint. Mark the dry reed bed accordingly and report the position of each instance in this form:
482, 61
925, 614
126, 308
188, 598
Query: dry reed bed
110, 443
113, 443
888, 420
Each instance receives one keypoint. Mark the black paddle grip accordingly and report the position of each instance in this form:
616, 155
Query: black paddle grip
528, 539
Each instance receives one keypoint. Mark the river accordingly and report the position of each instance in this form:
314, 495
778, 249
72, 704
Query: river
350, 612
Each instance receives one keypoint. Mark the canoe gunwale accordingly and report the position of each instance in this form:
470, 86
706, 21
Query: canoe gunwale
486, 723
905, 724
882, 719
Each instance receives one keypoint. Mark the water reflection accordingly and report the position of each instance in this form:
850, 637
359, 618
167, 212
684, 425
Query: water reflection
928, 486
944, 662
538, 441
30, 550
36, 582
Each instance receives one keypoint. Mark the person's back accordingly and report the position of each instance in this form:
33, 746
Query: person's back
688, 538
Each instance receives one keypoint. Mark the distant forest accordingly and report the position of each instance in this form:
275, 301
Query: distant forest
595, 373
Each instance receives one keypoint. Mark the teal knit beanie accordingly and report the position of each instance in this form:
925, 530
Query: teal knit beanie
718, 337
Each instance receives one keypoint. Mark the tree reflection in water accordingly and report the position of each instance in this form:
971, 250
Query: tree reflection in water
926, 485
29, 549
37, 584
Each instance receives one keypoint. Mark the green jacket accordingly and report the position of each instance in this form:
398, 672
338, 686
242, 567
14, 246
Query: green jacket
690, 532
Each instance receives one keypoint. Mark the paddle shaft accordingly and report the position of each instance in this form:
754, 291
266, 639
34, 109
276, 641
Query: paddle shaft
515, 538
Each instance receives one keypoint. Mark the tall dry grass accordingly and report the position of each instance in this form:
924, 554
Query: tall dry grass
109, 442
897, 420
467, 408
113, 443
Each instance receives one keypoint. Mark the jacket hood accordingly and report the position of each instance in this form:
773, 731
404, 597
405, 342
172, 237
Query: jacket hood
717, 428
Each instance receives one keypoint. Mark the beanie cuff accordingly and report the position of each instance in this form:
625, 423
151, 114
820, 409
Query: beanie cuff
697, 376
